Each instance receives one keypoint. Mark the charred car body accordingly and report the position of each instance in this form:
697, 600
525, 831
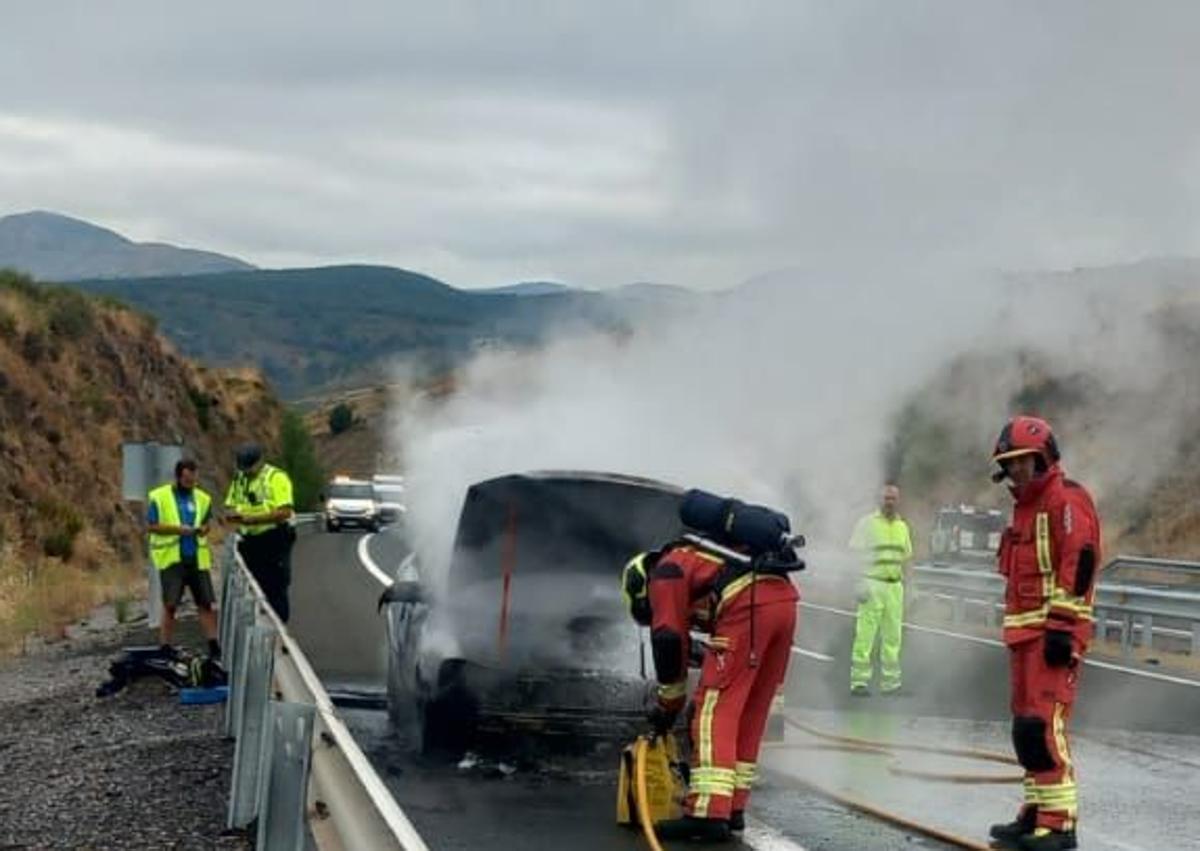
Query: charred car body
528, 631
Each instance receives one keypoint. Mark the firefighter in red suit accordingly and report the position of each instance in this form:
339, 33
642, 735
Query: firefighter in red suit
1050, 557
750, 619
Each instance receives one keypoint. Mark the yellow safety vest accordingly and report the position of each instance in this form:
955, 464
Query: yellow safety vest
165, 550
270, 490
886, 543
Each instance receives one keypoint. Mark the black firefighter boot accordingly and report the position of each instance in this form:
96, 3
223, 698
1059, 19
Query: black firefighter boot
692, 829
1044, 839
737, 821
1007, 835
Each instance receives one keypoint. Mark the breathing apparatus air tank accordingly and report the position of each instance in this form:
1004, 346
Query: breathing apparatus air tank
746, 532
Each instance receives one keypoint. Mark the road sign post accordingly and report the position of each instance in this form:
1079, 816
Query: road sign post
144, 466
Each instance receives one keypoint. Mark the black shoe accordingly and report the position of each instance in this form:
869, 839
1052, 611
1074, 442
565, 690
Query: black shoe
860, 691
1044, 839
737, 821
692, 829
1011, 832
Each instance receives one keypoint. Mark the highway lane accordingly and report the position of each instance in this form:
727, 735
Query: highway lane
334, 605
552, 805
967, 677
1137, 769
1137, 748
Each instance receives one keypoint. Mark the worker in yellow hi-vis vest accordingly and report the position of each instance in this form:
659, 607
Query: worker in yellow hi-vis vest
178, 517
883, 540
259, 501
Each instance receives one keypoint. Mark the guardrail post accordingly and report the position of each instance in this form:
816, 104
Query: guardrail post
154, 606
1100, 624
251, 736
1148, 631
228, 564
231, 592
229, 651
243, 620
284, 792
1196, 638
1126, 633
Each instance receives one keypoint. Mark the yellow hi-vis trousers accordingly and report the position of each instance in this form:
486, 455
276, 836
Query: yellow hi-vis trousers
880, 611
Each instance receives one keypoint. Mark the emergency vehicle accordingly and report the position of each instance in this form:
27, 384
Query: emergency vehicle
966, 534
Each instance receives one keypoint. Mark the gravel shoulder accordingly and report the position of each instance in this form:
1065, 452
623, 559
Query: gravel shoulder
133, 771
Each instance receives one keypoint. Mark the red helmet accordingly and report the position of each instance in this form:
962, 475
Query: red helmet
1024, 435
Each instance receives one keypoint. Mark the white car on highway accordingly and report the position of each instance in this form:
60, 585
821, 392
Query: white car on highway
351, 502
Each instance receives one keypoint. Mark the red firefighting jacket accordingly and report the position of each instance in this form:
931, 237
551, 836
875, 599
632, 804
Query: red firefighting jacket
1050, 557
691, 589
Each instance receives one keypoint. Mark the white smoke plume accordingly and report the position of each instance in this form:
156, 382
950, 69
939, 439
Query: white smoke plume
784, 391
780, 392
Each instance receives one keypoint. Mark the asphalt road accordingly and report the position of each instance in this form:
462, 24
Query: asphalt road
334, 602
542, 807
965, 677
1138, 755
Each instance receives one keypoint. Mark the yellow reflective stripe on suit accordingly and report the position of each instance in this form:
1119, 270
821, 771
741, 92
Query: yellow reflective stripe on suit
1045, 563
702, 785
746, 774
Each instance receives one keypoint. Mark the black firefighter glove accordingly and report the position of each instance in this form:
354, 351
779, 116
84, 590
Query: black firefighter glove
1058, 649
661, 719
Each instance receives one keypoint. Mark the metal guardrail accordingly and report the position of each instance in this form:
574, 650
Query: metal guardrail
1133, 610
296, 767
1165, 565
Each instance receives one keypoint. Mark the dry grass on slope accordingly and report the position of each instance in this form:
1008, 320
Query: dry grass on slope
78, 377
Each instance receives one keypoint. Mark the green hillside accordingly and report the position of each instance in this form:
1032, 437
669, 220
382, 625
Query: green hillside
310, 329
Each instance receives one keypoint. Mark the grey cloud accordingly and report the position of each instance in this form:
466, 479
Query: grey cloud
691, 142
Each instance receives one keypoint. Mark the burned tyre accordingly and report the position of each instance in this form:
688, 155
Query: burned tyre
449, 716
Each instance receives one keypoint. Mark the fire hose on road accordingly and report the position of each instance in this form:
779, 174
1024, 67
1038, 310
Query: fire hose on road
854, 744
643, 797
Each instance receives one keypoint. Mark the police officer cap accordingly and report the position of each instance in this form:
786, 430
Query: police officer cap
248, 455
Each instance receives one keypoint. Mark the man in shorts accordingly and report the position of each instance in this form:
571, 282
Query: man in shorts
178, 520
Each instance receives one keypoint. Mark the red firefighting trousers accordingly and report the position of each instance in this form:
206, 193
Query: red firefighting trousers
1042, 698
734, 696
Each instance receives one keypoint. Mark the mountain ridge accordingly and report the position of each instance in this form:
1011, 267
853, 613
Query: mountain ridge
53, 246
346, 325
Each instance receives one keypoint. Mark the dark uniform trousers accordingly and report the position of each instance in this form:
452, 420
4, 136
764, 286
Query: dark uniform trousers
268, 556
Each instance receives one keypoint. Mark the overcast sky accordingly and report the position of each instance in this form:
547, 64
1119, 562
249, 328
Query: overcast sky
604, 143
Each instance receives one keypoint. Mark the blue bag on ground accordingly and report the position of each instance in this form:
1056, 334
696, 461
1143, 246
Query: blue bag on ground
199, 695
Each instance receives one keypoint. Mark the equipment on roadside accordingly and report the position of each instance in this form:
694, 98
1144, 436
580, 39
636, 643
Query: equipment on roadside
666, 781
179, 669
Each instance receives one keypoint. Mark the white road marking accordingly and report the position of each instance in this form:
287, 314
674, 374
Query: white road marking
763, 837
364, 558
812, 654
991, 642
1166, 678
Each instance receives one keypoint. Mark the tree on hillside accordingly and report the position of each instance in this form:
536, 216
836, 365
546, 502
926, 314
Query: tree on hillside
341, 418
299, 459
